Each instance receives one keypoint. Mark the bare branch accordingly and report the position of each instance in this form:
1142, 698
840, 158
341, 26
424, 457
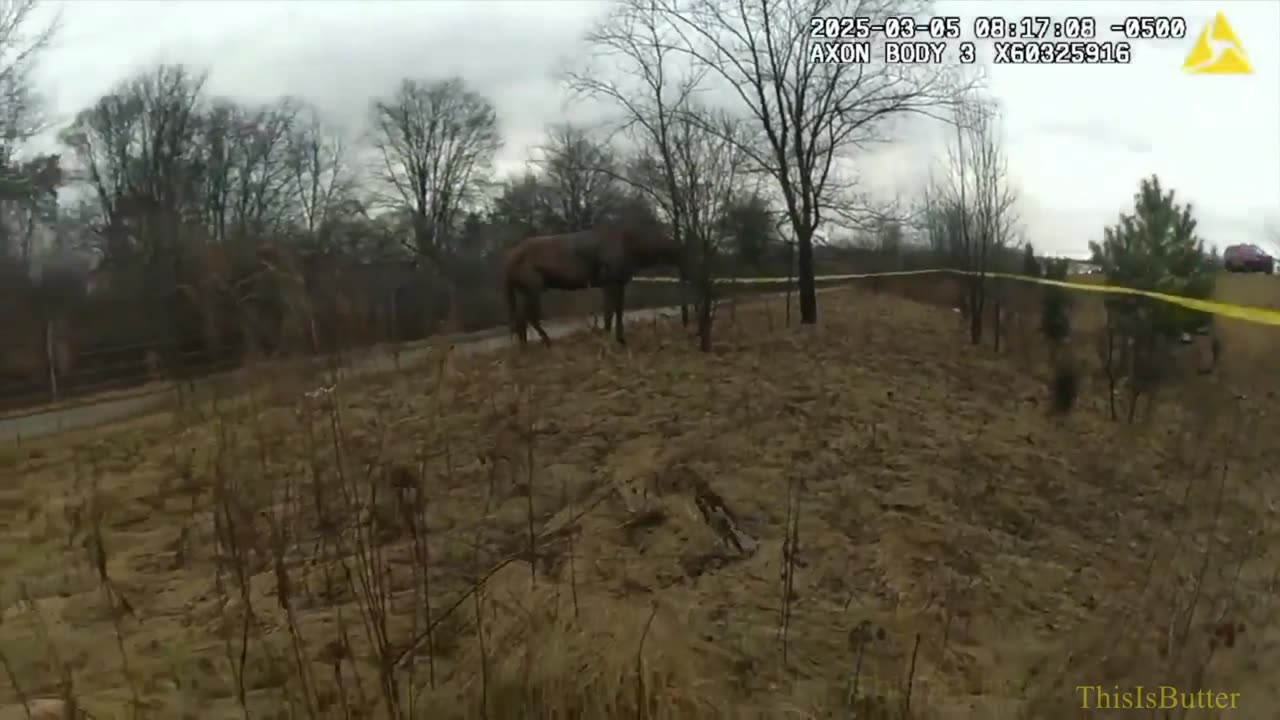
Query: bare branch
137, 149
578, 183
318, 171
20, 47
435, 142
808, 115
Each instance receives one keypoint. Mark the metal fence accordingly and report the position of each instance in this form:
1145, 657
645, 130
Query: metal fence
138, 376
105, 372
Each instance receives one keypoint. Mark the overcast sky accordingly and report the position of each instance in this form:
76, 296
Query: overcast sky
1079, 138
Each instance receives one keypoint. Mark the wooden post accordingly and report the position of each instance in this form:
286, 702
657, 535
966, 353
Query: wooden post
791, 271
393, 331
50, 358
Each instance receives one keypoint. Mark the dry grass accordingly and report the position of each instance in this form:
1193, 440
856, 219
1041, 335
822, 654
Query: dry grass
939, 531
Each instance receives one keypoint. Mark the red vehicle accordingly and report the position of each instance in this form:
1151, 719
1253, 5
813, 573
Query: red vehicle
1247, 258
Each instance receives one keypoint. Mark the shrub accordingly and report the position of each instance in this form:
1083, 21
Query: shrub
1055, 305
1063, 388
1030, 265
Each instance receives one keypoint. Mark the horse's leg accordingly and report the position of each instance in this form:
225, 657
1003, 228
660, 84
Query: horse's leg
619, 293
607, 294
534, 314
520, 318
522, 330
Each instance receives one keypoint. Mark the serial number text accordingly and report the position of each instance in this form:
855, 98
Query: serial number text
1062, 53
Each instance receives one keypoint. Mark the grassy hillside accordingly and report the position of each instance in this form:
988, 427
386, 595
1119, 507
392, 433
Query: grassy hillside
866, 515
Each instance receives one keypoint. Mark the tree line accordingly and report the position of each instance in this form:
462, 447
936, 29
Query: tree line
230, 216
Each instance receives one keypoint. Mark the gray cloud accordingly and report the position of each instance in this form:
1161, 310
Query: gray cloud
337, 55
1096, 132
1080, 138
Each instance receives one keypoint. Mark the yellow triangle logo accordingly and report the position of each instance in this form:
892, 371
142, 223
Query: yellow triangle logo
1217, 51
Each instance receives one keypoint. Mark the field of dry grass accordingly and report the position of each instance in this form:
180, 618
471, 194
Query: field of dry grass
869, 518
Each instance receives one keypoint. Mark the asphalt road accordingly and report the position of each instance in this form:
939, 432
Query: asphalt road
92, 414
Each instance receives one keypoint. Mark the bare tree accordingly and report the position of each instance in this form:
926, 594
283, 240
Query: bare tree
709, 168
435, 142
521, 204
579, 183
175, 180
980, 216
811, 114
32, 202
21, 115
26, 188
635, 69
320, 177
138, 150
244, 168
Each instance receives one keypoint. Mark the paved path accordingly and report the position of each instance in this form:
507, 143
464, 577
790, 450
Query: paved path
91, 414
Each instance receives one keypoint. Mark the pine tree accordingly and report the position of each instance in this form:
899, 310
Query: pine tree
1156, 248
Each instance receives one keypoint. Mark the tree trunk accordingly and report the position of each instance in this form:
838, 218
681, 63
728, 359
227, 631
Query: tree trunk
706, 288
685, 282
704, 315
996, 329
736, 294
393, 331
804, 269
977, 306
51, 359
1110, 366
704, 323
791, 271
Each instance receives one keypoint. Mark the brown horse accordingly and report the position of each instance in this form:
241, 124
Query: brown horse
606, 257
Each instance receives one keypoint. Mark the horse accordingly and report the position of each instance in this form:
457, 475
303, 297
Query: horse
606, 257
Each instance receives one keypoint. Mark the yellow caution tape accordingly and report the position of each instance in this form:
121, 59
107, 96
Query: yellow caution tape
1248, 313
